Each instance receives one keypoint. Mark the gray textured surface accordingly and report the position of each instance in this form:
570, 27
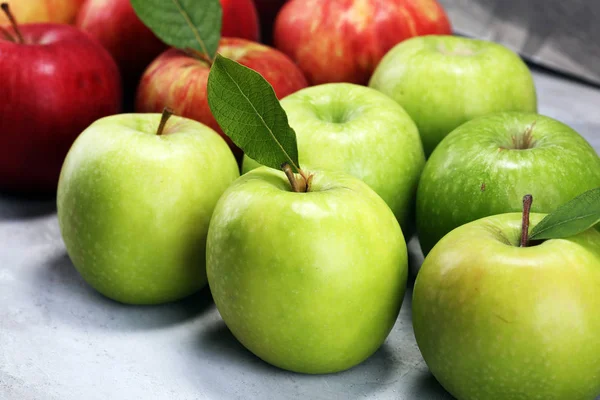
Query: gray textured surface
558, 34
61, 340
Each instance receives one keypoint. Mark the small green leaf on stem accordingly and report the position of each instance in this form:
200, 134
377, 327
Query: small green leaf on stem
247, 109
185, 24
573, 217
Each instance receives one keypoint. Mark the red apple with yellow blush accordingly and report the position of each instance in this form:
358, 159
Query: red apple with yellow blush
30, 11
344, 40
134, 46
177, 80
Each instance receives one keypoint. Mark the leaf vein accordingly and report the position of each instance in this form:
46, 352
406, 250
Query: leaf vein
261, 119
192, 27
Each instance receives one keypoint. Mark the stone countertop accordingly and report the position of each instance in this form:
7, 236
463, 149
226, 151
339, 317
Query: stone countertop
60, 340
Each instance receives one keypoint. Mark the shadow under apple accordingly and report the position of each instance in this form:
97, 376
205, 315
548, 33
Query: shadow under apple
415, 259
242, 369
66, 296
16, 207
429, 388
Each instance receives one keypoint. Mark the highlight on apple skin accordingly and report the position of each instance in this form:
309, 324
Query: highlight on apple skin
64, 81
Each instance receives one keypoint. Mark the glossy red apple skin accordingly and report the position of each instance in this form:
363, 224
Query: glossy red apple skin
240, 20
344, 40
116, 26
133, 45
178, 81
54, 86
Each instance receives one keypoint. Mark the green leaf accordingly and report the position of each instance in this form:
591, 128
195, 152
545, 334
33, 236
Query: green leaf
247, 109
184, 24
571, 218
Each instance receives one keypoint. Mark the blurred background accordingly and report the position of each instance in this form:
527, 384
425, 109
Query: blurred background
559, 35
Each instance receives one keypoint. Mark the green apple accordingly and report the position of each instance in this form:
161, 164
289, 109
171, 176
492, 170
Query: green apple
309, 282
487, 165
497, 321
358, 130
443, 81
134, 206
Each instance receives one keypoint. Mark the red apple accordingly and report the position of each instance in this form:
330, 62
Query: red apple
267, 11
28, 11
344, 40
178, 81
54, 85
240, 20
115, 24
134, 46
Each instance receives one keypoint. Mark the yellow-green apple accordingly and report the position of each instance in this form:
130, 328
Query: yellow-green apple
344, 40
177, 80
356, 129
30, 11
309, 282
443, 81
56, 82
134, 201
495, 320
488, 164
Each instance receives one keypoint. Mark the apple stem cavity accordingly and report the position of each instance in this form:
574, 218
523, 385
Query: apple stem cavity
298, 185
525, 140
13, 22
527, 200
166, 114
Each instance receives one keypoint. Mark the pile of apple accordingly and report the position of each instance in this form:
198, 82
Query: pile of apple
291, 186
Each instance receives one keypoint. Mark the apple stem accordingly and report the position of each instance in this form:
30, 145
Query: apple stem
166, 114
527, 200
298, 186
13, 22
